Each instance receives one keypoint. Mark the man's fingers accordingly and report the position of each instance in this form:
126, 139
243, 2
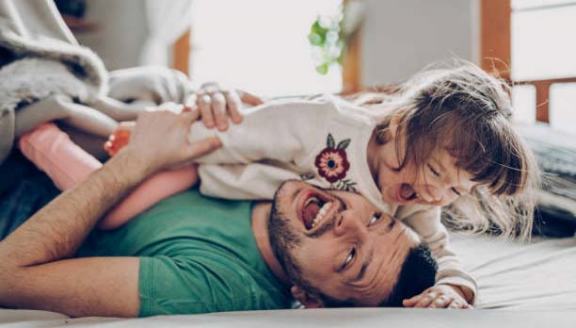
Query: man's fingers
205, 106
203, 147
234, 103
189, 115
249, 98
190, 109
126, 126
219, 111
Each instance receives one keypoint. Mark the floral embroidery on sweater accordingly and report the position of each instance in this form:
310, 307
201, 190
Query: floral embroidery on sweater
332, 164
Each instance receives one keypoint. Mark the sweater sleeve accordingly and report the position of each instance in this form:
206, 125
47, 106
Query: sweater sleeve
426, 222
271, 145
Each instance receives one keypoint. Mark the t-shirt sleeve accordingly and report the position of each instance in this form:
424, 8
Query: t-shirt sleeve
182, 285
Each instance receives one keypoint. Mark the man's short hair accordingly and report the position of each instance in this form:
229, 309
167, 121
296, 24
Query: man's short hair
417, 274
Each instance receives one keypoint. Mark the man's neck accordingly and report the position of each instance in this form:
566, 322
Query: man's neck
260, 218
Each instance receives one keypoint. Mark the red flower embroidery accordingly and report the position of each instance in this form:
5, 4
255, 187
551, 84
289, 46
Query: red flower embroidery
332, 164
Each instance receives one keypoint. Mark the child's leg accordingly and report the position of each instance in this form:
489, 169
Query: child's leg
67, 165
54, 153
150, 192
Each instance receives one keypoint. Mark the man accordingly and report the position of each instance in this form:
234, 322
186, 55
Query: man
192, 254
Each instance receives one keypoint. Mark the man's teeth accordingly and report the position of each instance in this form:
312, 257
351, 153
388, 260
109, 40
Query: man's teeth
322, 213
311, 200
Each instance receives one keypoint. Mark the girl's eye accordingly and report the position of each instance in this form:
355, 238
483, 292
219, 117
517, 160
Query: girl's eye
436, 173
349, 258
456, 192
375, 218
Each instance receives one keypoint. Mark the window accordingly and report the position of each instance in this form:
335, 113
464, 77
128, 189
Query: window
543, 61
260, 45
528, 42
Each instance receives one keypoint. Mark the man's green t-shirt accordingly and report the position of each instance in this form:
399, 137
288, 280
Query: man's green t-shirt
197, 255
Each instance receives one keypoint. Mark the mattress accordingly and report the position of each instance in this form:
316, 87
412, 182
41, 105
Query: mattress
520, 285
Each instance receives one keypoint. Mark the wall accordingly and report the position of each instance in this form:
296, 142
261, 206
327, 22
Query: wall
400, 37
121, 32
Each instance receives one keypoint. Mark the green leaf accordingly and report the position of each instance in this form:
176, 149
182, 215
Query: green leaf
315, 39
319, 33
318, 28
343, 144
323, 68
330, 143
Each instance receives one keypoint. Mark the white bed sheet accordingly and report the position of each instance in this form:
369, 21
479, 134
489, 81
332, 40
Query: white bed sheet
521, 285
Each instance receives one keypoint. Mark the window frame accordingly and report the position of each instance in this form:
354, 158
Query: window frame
496, 35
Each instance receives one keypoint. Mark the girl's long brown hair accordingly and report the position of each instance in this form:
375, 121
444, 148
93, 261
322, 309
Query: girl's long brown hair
468, 112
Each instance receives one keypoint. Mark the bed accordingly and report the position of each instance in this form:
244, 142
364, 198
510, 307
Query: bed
521, 285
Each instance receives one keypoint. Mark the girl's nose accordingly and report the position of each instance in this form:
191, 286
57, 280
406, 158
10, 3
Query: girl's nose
431, 194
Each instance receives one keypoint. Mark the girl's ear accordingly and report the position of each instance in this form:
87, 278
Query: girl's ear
309, 301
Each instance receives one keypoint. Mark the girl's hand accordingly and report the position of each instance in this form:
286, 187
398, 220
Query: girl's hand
439, 296
217, 104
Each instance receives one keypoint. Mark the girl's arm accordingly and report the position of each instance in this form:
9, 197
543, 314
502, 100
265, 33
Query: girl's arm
275, 142
279, 131
426, 222
68, 165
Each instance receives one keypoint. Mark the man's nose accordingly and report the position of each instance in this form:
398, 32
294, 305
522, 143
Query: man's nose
348, 223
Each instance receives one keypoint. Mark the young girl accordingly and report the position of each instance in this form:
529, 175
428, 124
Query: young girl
444, 138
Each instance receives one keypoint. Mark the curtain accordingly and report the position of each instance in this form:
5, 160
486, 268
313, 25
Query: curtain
167, 21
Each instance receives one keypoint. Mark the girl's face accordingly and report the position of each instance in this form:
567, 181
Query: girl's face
437, 182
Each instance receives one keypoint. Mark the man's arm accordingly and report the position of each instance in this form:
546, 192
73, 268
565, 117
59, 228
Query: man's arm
35, 269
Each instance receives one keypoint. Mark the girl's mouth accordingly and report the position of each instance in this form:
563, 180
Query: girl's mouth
406, 193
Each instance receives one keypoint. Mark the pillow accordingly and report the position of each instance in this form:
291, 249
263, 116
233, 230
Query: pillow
556, 156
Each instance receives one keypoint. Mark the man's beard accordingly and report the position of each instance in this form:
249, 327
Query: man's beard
283, 238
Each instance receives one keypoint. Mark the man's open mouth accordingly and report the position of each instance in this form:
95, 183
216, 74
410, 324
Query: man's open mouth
315, 208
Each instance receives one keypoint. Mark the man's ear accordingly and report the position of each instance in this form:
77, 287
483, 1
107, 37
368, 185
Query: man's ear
309, 301
393, 126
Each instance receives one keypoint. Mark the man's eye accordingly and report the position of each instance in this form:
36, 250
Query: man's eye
375, 218
349, 258
436, 173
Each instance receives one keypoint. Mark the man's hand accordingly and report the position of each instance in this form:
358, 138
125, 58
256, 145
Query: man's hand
439, 296
160, 139
37, 270
217, 104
